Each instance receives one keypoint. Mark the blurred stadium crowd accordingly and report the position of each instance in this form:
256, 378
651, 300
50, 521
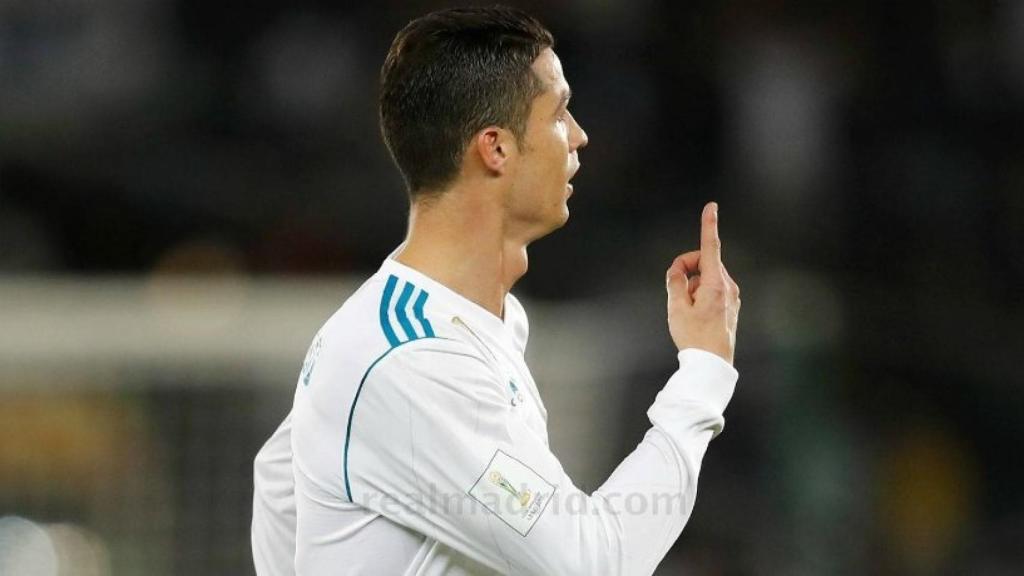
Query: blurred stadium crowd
868, 157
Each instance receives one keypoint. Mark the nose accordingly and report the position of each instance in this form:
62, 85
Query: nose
583, 140
578, 138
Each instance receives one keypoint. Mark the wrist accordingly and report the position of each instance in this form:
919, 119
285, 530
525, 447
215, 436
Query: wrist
723, 353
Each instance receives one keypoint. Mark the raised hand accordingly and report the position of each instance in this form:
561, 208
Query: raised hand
703, 300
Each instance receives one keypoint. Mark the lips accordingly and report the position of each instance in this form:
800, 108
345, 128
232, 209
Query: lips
572, 173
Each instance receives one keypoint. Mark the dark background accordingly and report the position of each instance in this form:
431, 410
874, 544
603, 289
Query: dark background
868, 158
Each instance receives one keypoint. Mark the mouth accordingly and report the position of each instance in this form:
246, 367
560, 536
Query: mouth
575, 169
572, 174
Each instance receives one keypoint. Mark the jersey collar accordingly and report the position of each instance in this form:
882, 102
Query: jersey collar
455, 304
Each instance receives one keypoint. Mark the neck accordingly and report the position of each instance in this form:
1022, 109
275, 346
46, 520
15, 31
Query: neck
463, 243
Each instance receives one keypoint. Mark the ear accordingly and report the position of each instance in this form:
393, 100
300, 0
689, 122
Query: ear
494, 146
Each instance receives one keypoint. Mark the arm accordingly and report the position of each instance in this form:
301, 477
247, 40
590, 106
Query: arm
437, 447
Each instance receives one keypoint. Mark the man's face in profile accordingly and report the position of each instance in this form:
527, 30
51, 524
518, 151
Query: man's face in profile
548, 157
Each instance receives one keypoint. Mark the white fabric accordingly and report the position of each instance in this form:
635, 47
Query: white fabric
425, 434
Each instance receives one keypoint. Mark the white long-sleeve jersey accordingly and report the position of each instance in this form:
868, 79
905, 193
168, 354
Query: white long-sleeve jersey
417, 444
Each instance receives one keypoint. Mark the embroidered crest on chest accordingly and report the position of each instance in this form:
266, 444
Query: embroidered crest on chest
517, 395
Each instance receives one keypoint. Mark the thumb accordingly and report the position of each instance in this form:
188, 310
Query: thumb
678, 286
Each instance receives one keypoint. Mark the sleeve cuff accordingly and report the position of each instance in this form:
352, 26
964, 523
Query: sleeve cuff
703, 377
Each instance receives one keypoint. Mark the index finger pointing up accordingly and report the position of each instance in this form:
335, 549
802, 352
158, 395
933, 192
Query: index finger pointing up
710, 245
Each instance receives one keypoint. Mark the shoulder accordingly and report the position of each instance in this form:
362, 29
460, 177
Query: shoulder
354, 335
392, 324
385, 313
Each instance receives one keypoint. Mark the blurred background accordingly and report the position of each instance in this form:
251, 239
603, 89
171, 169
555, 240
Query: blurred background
188, 189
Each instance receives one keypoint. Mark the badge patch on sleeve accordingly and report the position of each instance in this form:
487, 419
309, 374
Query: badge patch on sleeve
513, 492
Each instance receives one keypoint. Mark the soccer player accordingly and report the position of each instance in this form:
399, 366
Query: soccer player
417, 442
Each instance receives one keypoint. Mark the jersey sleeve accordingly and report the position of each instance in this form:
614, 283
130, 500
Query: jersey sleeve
435, 445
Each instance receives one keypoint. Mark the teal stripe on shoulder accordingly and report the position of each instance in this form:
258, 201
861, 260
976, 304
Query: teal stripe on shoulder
403, 318
385, 305
417, 310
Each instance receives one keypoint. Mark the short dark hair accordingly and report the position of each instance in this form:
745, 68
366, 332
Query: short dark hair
450, 74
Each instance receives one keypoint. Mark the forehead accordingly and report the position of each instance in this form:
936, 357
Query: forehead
548, 69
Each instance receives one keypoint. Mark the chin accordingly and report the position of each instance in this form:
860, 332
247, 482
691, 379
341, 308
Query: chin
563, 217
551, 224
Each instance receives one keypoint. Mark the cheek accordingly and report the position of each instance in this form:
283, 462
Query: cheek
563, 137
559, 148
